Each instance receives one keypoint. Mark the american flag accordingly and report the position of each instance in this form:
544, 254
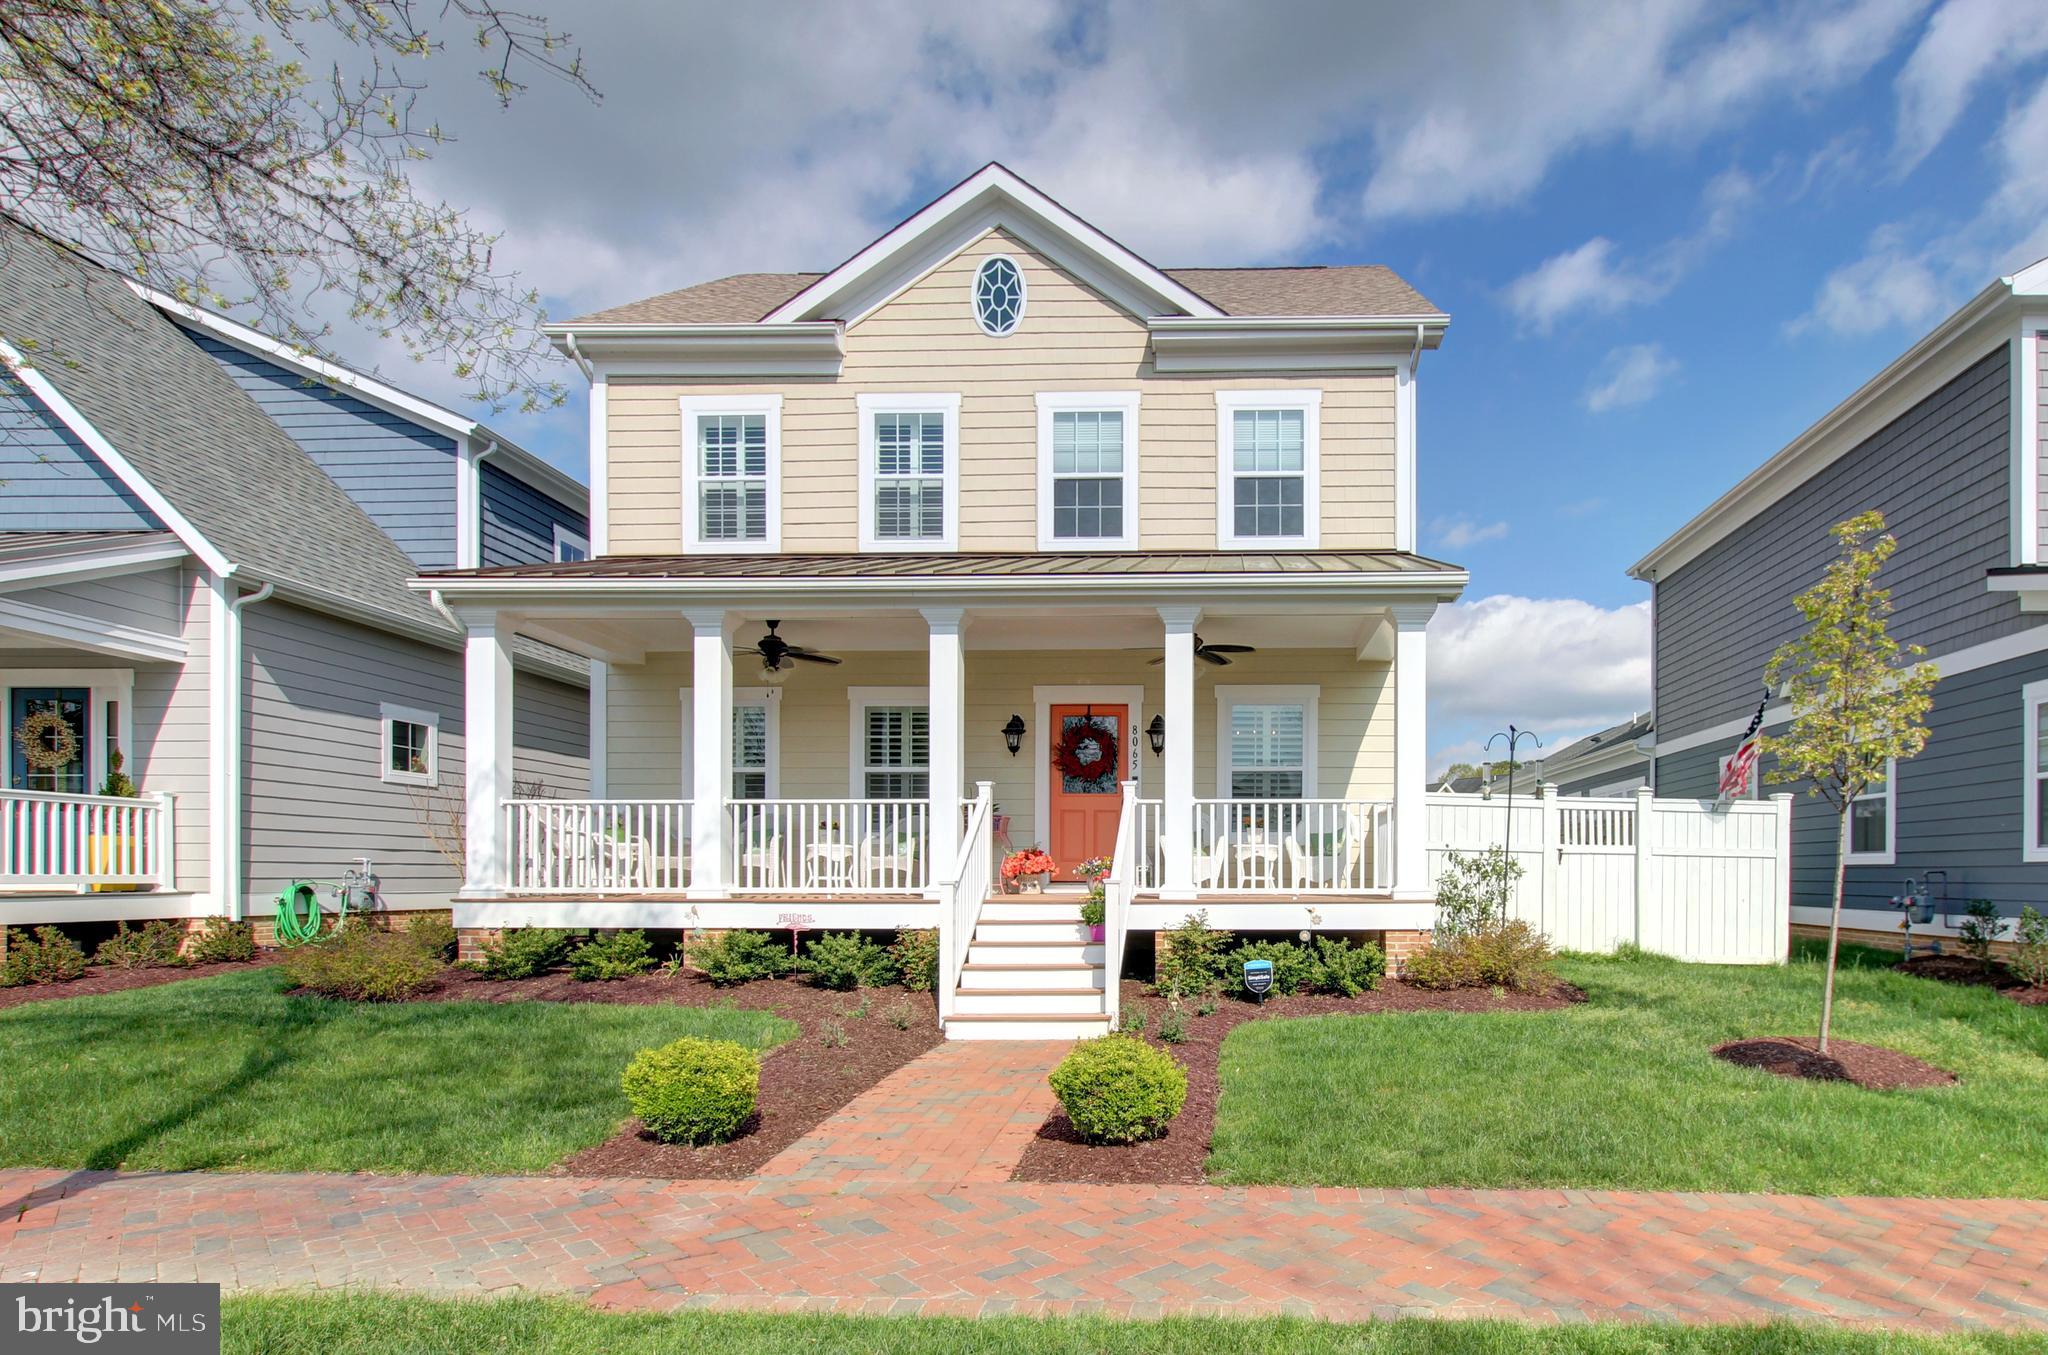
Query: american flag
1735, 777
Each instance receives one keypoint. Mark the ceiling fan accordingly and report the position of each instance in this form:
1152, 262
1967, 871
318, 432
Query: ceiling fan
776, 651
1213, 653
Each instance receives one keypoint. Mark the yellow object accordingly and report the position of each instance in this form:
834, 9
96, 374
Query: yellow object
108, 848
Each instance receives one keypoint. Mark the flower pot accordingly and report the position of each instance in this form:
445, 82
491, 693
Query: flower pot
1036, 883
1095, 932
103, 850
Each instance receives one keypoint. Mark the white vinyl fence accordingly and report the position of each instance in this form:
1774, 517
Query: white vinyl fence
1686, 878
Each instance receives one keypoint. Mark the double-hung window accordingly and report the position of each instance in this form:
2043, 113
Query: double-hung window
909, 472
756, 738
1268, 468
895, 753
1088, 470
1873, 819
2034, 795
732, 495
1268, 738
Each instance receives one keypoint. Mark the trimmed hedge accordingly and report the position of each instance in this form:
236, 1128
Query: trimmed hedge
693, 1091
1118, 1089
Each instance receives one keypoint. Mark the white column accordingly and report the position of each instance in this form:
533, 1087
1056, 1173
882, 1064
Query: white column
224, 748
600, 727
1411, 750
946, 701
487, 751
1177, 823
711, 745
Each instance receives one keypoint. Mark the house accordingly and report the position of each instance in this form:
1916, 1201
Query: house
994, 513
1611, 762
1946, 441
205, 542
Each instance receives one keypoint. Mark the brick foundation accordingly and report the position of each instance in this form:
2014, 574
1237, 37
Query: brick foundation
1401, 946
470, 942
1892, 939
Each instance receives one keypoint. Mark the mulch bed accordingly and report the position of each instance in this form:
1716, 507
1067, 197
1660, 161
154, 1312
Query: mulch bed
1869, 1066
802, 1082
1177, 1158
101, 979
1964, 970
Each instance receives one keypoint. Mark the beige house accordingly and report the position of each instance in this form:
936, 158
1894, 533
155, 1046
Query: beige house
995, 535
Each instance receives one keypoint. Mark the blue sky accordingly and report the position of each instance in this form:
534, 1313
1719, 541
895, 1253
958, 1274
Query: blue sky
1670, 234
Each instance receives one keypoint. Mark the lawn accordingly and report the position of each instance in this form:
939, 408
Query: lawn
1621, 1092
229, 1073
366, 1324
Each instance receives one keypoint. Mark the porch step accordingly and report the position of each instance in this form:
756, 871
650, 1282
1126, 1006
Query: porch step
1006, 908
1030, 929
1034, 952
1049, 1026
1084, 978
1027, 1001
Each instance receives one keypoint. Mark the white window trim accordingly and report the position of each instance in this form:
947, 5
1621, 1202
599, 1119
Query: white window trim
390, 715
1307, 695
858, 700
1059, 402
1310, 402
1891, 823
934, 402
769, 698
2033, 694
694, 407
563, 536
974, 299
103, 685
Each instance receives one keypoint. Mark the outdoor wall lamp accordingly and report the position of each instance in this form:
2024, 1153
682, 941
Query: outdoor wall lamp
1155, 734
1013, 734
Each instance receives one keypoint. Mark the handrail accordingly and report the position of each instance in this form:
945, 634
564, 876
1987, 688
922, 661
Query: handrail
597, 846
52, 839
1126, 862
960, 898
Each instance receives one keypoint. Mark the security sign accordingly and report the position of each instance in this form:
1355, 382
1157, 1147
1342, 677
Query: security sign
1258, 976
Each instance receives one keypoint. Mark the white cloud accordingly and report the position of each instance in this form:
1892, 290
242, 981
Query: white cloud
1559, 666
1456, 533
1629, 376
1966, 43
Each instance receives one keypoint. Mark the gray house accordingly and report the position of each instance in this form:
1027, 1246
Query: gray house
1947, 443
1610, 762
205, 538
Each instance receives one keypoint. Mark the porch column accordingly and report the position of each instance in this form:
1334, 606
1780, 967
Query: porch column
1411, 749
946, 700
711, 746
1177, 822
487, 751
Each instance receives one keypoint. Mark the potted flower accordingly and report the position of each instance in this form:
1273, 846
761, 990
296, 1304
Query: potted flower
1029, 867
1094, 912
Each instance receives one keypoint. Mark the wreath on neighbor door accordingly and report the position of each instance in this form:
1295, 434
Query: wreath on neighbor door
47, 741
1089, 736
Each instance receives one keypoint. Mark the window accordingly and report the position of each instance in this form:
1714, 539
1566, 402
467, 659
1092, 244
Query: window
1087, 470
1871, 816
2034, 823
732, 475
1268, 448
750, 752
411, 745
570, 546
998, 295
895, 753
1268, 735
756, 743
909, 472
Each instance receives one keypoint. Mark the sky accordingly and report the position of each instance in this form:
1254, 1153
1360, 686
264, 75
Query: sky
1670, 234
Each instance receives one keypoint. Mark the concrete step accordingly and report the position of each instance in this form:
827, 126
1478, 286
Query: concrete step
1030, 929
1034, 952
1027, 1001
1009, 906
1052, 1026
1079, 976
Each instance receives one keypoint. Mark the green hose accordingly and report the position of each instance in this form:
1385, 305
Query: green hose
298, 912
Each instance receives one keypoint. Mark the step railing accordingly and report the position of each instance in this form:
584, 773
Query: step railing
598, 846
961, 898
1126, 866
50, 840
829, 846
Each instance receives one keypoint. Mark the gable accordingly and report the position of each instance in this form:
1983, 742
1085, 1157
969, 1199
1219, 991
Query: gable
50, 481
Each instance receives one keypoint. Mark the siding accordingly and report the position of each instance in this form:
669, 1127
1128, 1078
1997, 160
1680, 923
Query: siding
518, 521
550, 737
402, 475
2041, 439
1071, 338
50, 481
1940, 474
153, 600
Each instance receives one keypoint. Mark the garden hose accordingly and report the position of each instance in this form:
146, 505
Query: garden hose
298, 913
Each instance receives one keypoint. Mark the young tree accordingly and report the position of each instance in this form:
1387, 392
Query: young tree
1855, 708
198, 148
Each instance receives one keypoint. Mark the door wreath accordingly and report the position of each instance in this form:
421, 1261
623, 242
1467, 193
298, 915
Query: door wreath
1089, 736
46, 740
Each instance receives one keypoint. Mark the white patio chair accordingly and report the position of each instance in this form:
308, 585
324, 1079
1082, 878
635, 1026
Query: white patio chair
1207, 869
760, 863
1325, 860
888, 861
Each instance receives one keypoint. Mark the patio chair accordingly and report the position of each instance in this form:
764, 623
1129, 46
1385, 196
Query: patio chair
1207, 869
1324, 860
760, 862
887, 861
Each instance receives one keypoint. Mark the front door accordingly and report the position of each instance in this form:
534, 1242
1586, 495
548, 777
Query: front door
1091, 756
43, 725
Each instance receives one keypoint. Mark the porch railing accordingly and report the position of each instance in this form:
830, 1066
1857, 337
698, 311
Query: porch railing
1126, 865
78, 842
961, 898
1323, 846
598, 846
830, 846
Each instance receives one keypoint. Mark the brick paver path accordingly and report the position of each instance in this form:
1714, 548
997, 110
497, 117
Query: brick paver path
1049, 1248
964, 1112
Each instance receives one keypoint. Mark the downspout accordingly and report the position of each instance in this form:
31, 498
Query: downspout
576, 355
226, 745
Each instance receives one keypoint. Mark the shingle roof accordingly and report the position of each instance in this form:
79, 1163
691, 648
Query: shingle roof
1344, 289
1109, 564
1625, 733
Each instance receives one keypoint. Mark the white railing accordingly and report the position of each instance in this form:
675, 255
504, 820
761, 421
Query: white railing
1294, 846
598, 846
829, 846
961, 897
54, 841
1126, 864
1147, 870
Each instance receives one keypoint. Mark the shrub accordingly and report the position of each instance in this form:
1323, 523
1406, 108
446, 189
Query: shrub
847, 960
524, 952
1473, 890
1293, 966
158, 943
742, 957
2030, 948
1511, 955
615, 955
1345, 969
915, 956
693, 1091
1118, 1089
1191, 958
361, 964
223, 941
1980, 928
434, 935
48, 957
1173, 1027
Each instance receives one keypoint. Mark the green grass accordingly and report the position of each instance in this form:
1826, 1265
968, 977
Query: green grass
1622, 1093
229, 1073
370, 1324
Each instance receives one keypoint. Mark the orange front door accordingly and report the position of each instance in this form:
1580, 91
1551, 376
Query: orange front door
1083, 807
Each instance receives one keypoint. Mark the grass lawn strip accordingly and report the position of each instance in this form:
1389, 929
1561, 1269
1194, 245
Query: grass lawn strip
228, 1073
1622, 1092
369, 1324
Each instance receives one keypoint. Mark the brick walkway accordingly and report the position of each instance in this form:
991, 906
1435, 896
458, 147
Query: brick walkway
964, 1112
1045, 1248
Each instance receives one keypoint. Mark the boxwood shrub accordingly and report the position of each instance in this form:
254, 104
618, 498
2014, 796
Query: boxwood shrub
524, 952
742, 957
693, 1091
847, 960
223, 941
612, 955
1118, 1089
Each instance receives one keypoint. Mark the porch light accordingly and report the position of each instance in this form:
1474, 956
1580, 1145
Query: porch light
1155, 734
1013, 734
775, 674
